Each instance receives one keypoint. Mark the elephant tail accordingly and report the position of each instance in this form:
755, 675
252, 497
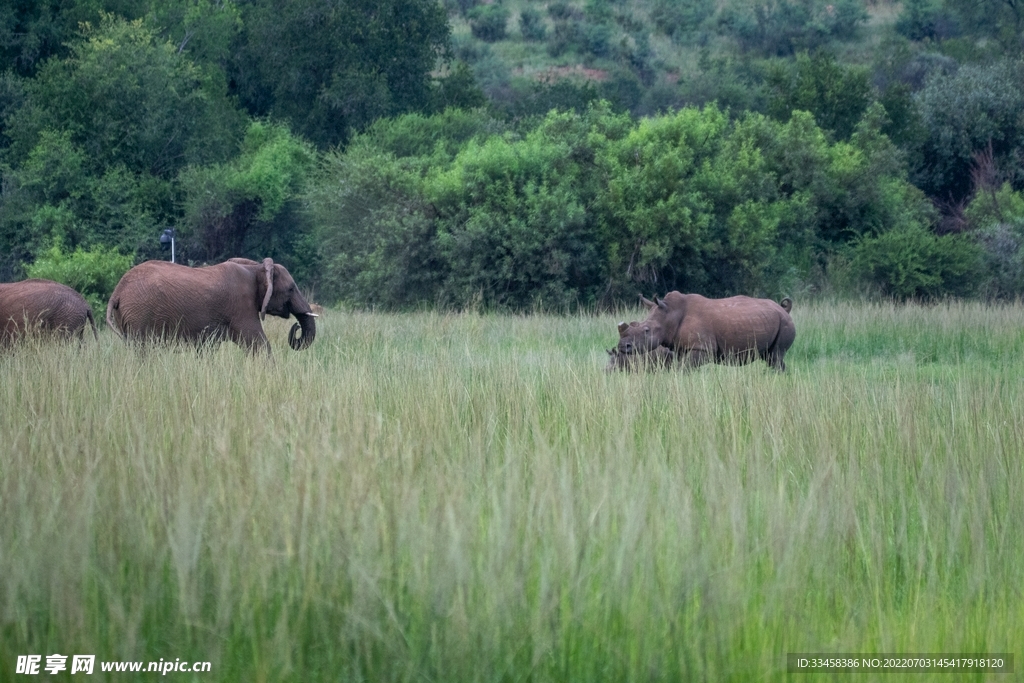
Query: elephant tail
787, 304
92, 323
114, 315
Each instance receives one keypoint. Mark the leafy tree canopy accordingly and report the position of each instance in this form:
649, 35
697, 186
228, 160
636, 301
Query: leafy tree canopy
330, 67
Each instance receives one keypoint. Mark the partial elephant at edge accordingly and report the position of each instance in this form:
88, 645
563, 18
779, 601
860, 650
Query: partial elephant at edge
44, 308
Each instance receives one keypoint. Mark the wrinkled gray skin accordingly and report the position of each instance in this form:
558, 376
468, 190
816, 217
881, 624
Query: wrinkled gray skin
699, 330
660, 359
42, 307
157, 300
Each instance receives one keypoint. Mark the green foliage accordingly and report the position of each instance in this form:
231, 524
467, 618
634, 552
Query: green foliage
910, 262
93, 273
996, 217
373, 234
580, 37
531, 24
58, 194
358, 62
126, 98
531, 98
783, 27
488, 22
679, 20
32, 32
100, 137
963, 114
1001, 20
589, 207
512, 226
921, 19
202, 29
239, 207
836, 95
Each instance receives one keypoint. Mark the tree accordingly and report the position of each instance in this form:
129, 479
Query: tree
237, 207
836, 95
963, 113
98, 140
329, 68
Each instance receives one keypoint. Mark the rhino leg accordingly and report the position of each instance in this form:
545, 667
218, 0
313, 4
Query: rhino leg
694, 358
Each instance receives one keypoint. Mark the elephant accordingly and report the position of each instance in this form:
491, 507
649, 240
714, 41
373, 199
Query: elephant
699, 330
660, 358
157, 300
44, 307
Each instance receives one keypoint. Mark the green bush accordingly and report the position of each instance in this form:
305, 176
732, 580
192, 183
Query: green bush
243, 207
963, 114
589, 207
996, 218
488, 22
921, 19
531, 24
837, 96
911, 262
782, 27
93, 273
680, 19
373, 233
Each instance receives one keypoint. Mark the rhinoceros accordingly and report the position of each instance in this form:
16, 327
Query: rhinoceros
699, 330
658, 359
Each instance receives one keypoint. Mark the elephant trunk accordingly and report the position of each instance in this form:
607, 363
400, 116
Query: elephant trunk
307, 324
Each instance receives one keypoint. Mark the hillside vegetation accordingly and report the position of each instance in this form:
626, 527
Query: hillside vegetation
522, 154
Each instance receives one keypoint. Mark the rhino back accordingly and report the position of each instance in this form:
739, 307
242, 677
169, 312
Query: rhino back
732, 325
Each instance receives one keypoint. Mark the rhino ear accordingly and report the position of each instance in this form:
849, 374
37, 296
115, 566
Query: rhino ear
661, 304
623, 327
648, 304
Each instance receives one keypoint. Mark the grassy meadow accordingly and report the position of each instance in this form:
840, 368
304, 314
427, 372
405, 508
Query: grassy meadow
465, 497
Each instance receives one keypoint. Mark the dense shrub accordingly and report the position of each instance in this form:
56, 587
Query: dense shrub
921, 19
910, 262
93, 273
488, 22
531, 24
587, 208
244, 207
996, 218
963, 114
836, 95
680, 19
782, 27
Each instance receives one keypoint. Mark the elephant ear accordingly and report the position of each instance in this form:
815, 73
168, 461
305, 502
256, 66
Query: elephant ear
268, 268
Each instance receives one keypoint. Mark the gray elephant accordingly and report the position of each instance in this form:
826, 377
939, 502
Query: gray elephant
157, 300
42, 307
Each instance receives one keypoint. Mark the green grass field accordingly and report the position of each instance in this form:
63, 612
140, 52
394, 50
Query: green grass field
432, 497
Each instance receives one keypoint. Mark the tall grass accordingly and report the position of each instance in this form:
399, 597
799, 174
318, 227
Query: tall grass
469, 498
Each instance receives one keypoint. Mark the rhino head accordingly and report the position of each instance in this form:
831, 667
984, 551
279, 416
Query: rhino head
645, 335
659, 359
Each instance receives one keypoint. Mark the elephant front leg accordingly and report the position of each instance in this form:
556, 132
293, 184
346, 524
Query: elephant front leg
250, 337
